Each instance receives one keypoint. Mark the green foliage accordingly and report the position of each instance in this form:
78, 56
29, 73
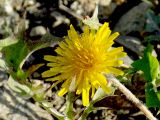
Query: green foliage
148, 64
14, 54
15, 51
152, 96
150, 67
7, 41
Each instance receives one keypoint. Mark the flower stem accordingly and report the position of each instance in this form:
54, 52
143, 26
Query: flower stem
131, 97
69, 108
86, 112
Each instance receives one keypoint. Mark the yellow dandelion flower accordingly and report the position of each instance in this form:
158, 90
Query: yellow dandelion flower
85, 58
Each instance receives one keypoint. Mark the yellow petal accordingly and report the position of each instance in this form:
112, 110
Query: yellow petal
105, 35
50, 58
94, 81
103, 83
115, 71
63, 45
114, 63
65, 87
59, 51
93, 91
52, 64
72, 34
79, 90
62, 91
54, 84
116, 50
48, 73
102, 29
122, 54
113, 36
85, 96
59, 77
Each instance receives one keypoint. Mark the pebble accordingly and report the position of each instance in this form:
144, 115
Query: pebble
38, 31
78, 102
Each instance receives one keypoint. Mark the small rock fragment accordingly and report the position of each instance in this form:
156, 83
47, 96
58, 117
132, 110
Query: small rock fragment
38, 31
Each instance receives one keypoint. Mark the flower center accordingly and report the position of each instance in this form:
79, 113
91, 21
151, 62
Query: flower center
84, 60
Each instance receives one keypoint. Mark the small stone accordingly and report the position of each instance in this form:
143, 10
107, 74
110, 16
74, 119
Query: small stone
132, 43
38, 31
8, 8
105, 2
133, 20
78, 102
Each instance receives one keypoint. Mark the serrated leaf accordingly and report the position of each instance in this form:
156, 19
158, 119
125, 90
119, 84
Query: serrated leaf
152, 97
148, 64
150, 67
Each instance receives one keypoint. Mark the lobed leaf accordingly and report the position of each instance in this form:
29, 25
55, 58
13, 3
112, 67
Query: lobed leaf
148, 64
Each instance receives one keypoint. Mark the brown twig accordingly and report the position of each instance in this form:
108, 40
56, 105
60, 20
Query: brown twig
131, 97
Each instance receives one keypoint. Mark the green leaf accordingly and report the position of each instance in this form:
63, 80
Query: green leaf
150, 67
15, 49
14, 54
21, 75
152, 97
158, 80
7, 42
148, 64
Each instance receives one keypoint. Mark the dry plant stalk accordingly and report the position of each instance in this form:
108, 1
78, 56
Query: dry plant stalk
131, 97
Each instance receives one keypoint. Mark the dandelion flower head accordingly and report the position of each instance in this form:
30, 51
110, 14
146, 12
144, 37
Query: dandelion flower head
83, 59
